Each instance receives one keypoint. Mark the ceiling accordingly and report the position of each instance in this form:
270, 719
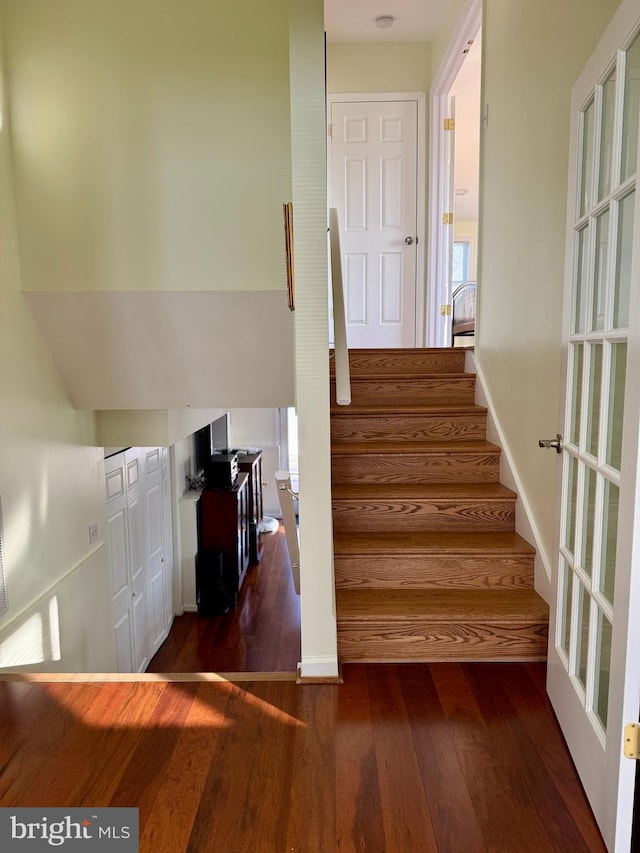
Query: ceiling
355, 20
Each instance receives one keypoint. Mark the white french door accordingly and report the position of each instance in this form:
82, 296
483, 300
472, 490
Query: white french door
374, 187
594, 665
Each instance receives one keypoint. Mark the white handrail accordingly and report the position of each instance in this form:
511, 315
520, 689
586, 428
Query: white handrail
343, 376
286, 497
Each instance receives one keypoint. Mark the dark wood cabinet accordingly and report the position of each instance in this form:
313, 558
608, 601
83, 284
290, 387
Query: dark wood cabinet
251, 464
223, 525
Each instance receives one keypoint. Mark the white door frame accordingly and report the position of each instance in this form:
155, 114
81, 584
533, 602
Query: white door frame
466, 30
420, 99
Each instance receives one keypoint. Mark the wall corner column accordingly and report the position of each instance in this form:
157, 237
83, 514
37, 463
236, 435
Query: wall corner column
308, 138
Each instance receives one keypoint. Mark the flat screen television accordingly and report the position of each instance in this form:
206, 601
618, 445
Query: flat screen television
211, 439
220, 434
202, 448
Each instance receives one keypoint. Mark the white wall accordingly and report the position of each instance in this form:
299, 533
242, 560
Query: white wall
151, 150
51, 487
533, 53
378, 67
151, 142
150, 428
260, 428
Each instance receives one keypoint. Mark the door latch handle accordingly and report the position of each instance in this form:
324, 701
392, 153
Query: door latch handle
555, 443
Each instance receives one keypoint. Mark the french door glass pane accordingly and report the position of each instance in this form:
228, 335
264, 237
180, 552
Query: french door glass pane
606, 135
588, 125
565, 631
576, 391
588, 514
609, 541
593, 404
603, 668
623, 261
631, 111
581, 280
618, 375
572, 497
582, 649
600, 283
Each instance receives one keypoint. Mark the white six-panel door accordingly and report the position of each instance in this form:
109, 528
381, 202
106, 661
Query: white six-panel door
137, 565
373, 186
138, 493
594, 664
118, 544
154, 546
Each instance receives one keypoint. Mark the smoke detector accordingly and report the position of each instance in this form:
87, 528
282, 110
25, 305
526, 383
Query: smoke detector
384, 22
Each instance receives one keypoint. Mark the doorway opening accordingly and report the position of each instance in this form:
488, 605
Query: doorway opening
257, 628
454, 179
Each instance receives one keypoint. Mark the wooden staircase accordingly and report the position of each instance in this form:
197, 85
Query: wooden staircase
428, 565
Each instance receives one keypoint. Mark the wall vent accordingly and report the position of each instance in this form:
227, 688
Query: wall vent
4, 604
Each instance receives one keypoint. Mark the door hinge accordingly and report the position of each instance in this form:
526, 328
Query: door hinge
449, 124
632, 740
331, 131
447, 218
445, 310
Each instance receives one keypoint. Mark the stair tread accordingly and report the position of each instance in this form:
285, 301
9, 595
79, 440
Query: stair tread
420, 542
469, 606
429, 491
413, 409
400, 374
340, 447
447, 351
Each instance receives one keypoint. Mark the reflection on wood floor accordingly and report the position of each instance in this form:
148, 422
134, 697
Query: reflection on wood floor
412, 758
261, 635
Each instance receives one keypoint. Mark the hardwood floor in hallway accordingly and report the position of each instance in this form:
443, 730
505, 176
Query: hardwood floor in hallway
401, 758
261, 635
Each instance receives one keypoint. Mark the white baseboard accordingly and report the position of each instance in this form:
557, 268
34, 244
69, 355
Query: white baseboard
525, 525
319, 667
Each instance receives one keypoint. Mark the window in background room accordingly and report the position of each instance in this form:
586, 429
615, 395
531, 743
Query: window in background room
460, 263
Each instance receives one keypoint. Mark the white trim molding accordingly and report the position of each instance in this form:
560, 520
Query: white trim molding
316, 666
525, 523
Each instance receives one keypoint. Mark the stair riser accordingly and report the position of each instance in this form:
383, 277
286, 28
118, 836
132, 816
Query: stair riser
412, 515
421, 362
408, 427
416, 468
416, 640
405, 392
425, 571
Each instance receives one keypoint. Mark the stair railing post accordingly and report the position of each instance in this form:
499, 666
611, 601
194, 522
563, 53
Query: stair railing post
343, 376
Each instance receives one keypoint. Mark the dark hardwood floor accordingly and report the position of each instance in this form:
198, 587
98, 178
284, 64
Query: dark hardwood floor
401, 758
261, 635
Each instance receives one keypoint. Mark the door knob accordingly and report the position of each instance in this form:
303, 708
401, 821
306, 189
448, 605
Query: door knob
408, 241
548, 443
